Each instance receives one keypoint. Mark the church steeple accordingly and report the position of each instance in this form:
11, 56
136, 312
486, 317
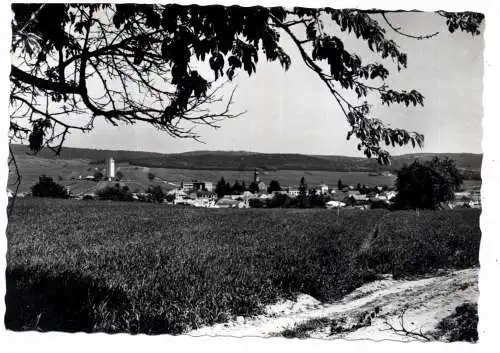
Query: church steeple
256, 177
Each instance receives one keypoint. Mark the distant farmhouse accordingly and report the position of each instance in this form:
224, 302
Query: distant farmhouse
197, 186
322, 189
293, 192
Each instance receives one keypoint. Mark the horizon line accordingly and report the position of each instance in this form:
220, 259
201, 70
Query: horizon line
255, 152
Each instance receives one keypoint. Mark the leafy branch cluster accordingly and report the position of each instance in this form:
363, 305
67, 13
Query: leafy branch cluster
80, 63
130, 63
466, 21
347, 70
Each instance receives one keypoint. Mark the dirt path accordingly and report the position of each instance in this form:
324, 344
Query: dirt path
426, 301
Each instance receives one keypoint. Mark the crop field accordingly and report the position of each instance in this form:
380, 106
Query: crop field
285, 177
145, 268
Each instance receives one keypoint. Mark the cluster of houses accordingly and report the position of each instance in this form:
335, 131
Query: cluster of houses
356, 199
201, 194
208, 199
469, 199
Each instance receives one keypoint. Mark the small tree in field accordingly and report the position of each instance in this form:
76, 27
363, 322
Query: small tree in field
98, 175
170, 198
302, 198
151, 176
253, 188
274, 185
156, 193
119, 175
47, 187
426, 185
256, 203
237, 188
279, 200
313, 197
221, 188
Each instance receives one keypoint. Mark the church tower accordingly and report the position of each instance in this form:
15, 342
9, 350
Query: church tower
256, 177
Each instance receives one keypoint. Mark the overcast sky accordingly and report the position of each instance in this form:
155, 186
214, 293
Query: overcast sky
293, 112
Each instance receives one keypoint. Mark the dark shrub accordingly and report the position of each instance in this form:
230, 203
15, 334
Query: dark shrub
98, 176
157, 194
380, 205
256, 203
115, 193
274, 185
318, 200
461, 325
46, 187
222, 188
119, 175
426, 185
279, 200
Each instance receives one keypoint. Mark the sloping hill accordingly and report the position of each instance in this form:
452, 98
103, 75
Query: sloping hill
247, 161
469, 161
68, 171
137, 177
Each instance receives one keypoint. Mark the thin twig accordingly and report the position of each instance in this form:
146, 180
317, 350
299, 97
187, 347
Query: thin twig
403, 331
18, 181
398, 30
32, 18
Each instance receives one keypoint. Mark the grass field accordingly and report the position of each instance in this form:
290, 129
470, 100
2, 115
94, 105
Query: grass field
285, 177
145, 268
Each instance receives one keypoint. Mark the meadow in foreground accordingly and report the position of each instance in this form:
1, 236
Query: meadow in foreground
145, 268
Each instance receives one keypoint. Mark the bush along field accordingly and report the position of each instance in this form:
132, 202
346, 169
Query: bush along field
144, 268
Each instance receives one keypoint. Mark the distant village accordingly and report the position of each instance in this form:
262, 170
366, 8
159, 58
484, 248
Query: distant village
258, 194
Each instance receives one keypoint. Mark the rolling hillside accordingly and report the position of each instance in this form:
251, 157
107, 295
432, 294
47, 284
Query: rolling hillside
65, 171
247, 161
172, 169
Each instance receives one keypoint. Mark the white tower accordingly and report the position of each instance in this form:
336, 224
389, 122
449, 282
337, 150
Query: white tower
110, 169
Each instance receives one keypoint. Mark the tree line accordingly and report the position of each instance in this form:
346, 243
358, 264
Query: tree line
223, 187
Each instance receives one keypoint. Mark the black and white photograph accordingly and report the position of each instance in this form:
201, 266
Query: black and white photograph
245, 170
